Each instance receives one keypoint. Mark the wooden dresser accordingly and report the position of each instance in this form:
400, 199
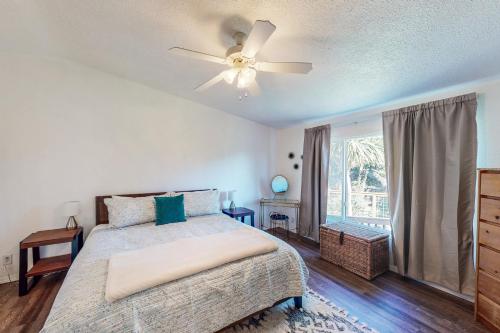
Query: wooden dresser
487, 308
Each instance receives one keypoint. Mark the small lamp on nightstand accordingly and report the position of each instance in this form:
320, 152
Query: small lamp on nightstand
71, 209
230, 196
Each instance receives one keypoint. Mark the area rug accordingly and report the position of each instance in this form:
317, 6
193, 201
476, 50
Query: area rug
317, 315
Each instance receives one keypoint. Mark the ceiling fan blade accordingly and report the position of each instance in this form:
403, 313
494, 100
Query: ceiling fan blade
254, 88
284, 67
197, 55
260, 33
210, 82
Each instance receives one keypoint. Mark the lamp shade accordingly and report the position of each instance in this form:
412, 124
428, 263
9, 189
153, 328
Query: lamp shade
71, 208
230, 195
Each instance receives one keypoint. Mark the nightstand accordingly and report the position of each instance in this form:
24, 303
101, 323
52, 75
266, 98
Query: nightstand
47, 265
240, 212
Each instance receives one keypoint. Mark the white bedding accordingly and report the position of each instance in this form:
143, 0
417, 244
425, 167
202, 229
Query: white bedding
133, 271
204, 302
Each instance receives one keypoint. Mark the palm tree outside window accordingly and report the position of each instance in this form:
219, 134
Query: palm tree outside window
357, 190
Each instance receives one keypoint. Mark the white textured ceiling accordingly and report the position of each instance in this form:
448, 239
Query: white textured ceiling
363, 52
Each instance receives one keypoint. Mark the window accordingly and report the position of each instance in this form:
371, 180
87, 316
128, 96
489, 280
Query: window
357, 189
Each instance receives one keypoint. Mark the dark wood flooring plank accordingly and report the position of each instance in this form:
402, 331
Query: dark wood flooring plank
28, 313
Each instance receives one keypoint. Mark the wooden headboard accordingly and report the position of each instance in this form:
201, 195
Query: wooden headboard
101, 211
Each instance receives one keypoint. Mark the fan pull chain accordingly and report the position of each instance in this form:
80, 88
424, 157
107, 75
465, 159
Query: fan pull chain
245, 94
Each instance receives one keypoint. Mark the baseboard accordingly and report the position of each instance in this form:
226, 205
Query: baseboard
448, 291
4, 277
293, 235
394, 269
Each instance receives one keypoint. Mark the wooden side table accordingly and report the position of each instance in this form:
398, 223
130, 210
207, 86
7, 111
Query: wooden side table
43, 266
240, 212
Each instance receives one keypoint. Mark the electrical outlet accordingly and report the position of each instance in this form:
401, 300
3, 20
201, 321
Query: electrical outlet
7, 260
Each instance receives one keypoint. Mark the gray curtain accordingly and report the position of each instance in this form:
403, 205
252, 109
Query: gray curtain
314, 191
430, 152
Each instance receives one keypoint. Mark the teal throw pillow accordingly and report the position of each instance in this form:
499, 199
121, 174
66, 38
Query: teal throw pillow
170, 209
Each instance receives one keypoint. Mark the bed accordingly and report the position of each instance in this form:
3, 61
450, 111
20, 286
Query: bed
205, 302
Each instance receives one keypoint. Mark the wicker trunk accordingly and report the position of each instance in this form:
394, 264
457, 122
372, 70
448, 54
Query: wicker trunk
357, 248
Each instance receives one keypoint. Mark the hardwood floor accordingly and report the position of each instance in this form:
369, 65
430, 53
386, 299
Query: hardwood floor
28, 313
388, 303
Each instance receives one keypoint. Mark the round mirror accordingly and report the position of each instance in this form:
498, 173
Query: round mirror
279, 184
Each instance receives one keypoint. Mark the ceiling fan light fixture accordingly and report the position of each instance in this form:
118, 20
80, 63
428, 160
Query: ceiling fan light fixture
246, 77
241, 60
230, 75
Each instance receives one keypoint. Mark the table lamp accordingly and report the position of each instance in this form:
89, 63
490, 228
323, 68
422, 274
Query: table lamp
230, 196
71, 209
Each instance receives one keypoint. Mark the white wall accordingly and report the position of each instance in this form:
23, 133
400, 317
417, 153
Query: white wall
68, 132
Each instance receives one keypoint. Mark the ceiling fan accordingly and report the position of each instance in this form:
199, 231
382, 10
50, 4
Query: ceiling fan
241, 60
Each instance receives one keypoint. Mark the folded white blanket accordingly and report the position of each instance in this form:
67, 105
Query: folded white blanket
137, 270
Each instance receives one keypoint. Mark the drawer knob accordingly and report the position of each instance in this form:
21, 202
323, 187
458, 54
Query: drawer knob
487, 231
497, 217
496, 272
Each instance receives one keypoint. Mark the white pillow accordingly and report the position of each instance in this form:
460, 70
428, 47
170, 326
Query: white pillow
127, 211
201, 202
